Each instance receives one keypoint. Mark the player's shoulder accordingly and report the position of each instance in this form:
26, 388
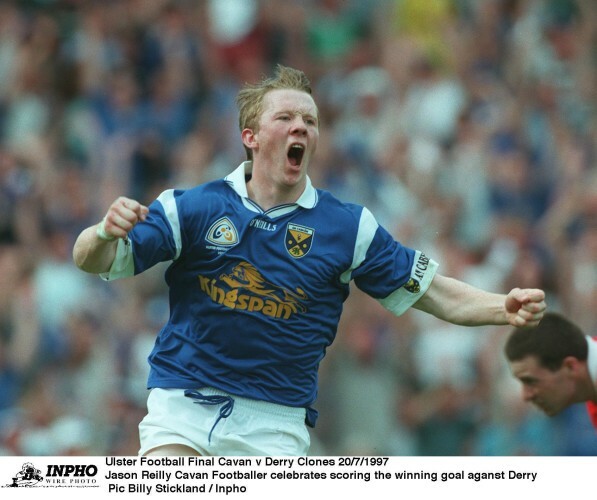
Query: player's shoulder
191, 202
202, 193
337, 209
327, 200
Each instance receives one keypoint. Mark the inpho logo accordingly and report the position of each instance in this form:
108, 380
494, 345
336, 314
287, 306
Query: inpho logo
71, 476
71, 470
28, 476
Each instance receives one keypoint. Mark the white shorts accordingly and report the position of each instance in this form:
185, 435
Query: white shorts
253, 428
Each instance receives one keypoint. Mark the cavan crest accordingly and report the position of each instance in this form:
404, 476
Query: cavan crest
298, 240
412, 286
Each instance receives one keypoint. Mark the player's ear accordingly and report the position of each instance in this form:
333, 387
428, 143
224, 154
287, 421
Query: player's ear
249, 138
572, 365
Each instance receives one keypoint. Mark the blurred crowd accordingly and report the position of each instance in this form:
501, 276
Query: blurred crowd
468, 127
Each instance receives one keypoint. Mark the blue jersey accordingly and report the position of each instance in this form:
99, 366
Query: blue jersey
256, 296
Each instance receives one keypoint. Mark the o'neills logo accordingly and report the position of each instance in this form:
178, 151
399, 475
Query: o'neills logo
245, 289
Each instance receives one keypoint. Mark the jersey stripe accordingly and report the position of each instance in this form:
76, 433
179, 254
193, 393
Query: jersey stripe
171, 210
365, 234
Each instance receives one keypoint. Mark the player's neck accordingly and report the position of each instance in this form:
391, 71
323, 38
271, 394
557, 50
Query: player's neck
587, 389
268, 194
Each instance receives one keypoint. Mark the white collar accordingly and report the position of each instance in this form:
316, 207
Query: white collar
236, 180
592, 359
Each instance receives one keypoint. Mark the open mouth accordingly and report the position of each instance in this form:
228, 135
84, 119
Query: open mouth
295, 154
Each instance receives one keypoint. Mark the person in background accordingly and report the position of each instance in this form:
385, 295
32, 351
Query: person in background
556, 364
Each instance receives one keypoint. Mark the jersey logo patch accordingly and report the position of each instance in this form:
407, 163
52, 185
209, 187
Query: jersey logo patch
244, 288
412, 286
245, 276
222, 233
298, 240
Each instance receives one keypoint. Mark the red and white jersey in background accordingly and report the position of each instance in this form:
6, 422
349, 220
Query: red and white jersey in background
592, 365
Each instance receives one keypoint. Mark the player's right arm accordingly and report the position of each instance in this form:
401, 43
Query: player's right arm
95, 248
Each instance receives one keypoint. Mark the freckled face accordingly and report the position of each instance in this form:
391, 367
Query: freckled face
550, 391
286, 139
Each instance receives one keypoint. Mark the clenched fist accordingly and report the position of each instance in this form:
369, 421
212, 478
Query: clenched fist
525, 307
121, 217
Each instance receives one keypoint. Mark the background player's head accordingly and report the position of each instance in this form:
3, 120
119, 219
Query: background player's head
251, 96
550, 361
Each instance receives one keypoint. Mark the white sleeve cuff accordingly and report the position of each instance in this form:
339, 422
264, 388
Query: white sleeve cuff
421, 275
123, 265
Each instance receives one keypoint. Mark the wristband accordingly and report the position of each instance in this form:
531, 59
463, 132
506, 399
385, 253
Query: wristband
100, 230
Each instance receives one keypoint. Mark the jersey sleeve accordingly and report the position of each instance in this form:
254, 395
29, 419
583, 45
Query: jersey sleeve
156, 239
394, 275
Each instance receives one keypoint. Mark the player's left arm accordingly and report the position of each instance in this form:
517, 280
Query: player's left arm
462, 304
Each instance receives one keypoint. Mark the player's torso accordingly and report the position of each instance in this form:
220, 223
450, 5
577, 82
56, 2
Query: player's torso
277, 263
255, 297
